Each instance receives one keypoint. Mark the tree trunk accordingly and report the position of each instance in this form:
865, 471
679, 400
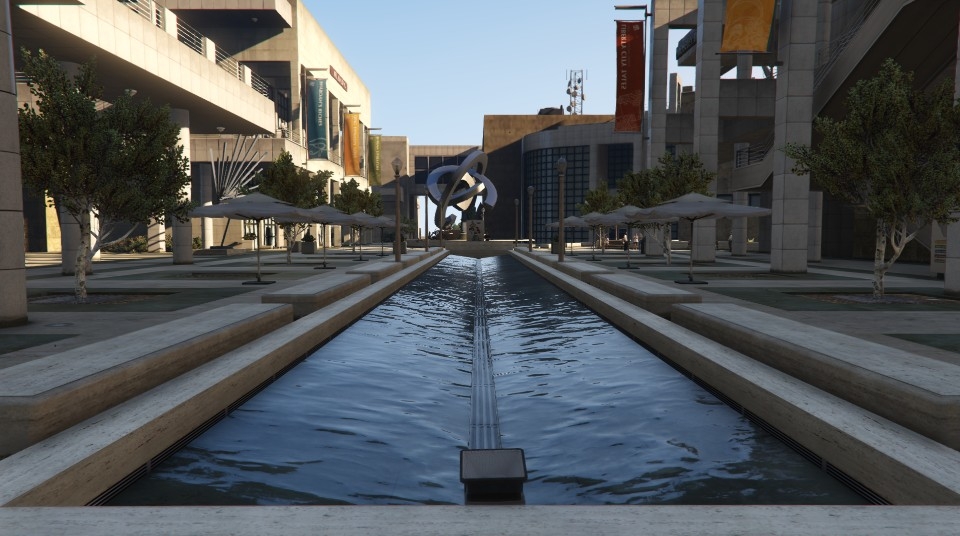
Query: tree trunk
663, 230
879, 266
287, 235
80, 267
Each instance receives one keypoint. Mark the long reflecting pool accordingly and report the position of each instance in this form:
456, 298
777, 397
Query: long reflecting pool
379, 414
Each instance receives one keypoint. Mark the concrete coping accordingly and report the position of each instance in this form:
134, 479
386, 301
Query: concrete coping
320, 292
75, 466
918, 392
44, 396
916, 469
651, 295
552, 520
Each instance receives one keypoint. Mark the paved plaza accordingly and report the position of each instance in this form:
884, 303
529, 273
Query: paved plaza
925, 323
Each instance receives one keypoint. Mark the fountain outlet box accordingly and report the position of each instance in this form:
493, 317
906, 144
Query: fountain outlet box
493, 475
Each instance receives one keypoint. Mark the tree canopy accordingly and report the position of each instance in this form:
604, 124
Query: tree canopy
896, 153
122, 163
599, 200
289, 182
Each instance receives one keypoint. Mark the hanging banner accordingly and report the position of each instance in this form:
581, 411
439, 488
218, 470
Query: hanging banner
373, 167
631, 76
351, 147
746, 25
317, 118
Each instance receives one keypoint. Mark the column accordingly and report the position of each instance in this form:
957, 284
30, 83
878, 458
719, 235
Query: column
815, 227
738, 227
793, 118
13, 274
951, 277
657, 76
183, 232
951, 282
156, 237
706, 114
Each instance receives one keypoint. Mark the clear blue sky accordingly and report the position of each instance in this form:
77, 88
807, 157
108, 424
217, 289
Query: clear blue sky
434, 68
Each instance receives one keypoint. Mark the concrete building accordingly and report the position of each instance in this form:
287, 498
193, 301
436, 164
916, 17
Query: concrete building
523, 151
748, 105
239, 77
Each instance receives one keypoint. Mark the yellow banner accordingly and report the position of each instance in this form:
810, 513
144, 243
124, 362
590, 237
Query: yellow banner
746, 25
351, 147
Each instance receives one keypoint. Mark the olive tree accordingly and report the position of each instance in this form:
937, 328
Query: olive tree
675, 175
288, 182
119, 165
896, 153
602, 201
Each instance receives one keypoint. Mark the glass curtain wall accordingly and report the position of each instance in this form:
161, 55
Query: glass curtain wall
540, 171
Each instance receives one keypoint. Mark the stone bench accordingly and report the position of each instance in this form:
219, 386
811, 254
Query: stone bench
43, 397
914, 391
650, 295
308, 297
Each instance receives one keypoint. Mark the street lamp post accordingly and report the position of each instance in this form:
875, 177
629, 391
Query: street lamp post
516, 221
530, 221
426, 222
561, 171
397, 164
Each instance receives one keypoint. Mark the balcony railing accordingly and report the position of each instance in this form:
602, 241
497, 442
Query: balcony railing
840, 43
190, 37
686, 43
754, 153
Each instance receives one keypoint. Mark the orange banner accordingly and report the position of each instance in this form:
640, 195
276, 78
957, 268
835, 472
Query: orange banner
746, 25
351, 147
631, 76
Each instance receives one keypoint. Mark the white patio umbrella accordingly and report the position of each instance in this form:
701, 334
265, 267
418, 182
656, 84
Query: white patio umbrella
362, 220
383, 222
694, 206
636, 215
255, 206
600, 220
324, 215
570, 221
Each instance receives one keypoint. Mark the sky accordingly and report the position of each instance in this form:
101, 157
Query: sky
434, 68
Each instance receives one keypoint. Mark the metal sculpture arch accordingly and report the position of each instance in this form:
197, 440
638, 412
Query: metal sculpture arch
461, 186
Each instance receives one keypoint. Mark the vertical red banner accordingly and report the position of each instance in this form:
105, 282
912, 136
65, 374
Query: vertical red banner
631, 76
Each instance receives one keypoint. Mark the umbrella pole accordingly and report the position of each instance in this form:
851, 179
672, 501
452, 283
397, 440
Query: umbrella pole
258, 254
381, 241
323, 264
223, 238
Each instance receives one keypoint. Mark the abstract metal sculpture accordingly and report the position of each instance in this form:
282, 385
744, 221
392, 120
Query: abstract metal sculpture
462, 185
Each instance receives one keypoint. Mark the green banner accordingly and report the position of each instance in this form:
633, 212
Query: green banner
317, 118
374, 166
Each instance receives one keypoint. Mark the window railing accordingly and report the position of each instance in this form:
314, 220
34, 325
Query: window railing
754, 153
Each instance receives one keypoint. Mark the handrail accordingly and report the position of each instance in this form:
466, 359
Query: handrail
839, 44
754, 153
